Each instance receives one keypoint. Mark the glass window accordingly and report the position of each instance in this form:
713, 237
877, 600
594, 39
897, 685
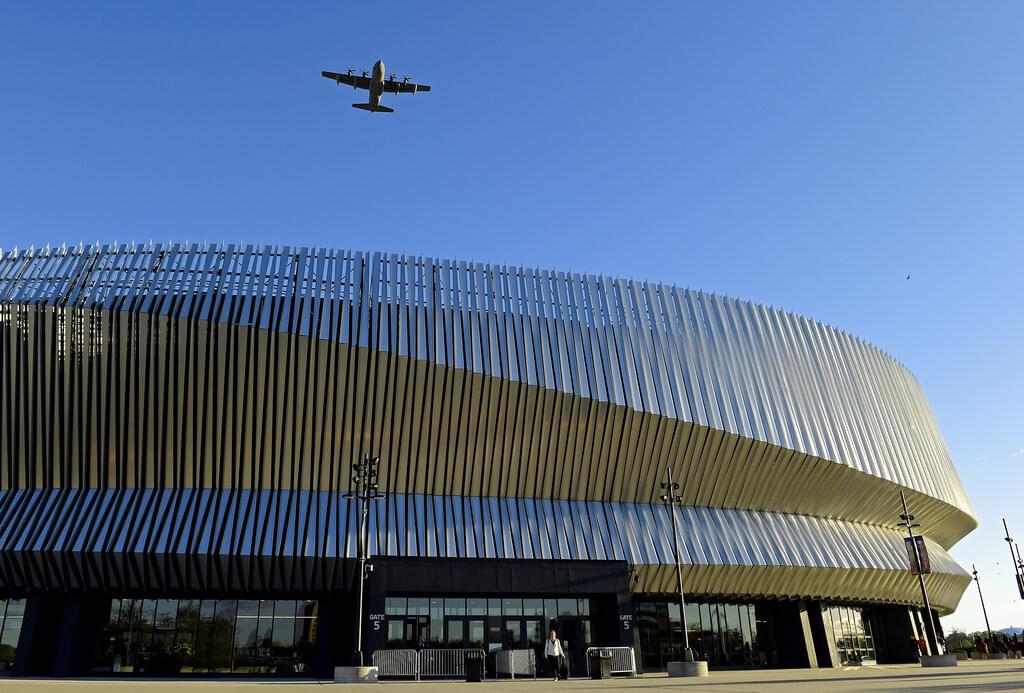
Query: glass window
15, 607
436, 636
10, 631
454, 607
394, 606
583, 605
567, 607
513, 634
494, 607
535, 633
283, 636
533, 607
306, 608
550, 609
511, 607
455, 633
395, 639
477, 607
285, 608
418, 606
248, 607
476, 633
221, 636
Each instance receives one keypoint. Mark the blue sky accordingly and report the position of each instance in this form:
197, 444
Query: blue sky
805, 155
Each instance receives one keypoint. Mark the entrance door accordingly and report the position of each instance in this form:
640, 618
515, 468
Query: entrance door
416, 631
570, 632
475, 633
455, 632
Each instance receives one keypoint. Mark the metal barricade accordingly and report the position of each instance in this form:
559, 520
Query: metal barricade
397, 663
445, 663
515, 663
623, 659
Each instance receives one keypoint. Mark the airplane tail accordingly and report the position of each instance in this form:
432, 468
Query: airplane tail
372, 108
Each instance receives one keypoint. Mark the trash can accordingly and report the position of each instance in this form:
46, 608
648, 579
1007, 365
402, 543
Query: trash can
600, 664
474, 667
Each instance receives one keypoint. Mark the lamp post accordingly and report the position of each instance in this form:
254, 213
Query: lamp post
908, 522
1015, 560
982, 598
672, 499
364, 490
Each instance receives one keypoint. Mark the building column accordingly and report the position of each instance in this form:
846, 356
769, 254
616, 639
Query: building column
59, 634
808, 635
828, 652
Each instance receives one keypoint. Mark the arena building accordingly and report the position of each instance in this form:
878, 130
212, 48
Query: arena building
178, 425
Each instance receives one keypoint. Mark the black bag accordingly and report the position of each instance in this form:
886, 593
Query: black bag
563, 667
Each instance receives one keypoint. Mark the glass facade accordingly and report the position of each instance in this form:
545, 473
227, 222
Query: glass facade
11, 613
724, 634
489, 623
169, 636
852, 633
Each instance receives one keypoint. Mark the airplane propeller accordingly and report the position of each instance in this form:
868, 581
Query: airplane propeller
392, 76
406, 78
350, 70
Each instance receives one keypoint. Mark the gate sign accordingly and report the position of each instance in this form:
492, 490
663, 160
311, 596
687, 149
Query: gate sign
926, 566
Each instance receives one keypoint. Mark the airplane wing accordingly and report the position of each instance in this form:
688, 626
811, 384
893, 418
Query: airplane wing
404, 87
353, 80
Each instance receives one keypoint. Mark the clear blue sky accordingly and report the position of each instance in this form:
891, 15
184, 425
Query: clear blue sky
807, 155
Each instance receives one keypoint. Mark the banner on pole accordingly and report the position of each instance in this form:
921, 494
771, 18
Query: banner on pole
1020, 585
926, 566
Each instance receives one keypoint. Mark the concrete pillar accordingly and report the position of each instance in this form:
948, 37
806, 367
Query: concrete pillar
808, 636
828, 651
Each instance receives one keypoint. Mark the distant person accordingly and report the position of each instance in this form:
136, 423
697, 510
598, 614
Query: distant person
554, 654
983, 649
922, 646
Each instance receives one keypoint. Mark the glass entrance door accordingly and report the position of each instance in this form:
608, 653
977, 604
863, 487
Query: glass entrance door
570, 632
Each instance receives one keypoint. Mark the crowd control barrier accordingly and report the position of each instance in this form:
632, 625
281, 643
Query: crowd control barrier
623, 659
430, 663
515, 663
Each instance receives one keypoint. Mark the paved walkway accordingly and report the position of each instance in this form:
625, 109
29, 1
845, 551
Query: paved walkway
969, 677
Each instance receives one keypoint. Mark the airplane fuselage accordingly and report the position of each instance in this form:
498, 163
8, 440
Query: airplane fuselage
377, 83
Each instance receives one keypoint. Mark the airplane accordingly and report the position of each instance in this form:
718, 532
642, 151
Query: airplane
376, 84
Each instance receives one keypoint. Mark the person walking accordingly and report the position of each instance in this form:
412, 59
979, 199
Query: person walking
554, 653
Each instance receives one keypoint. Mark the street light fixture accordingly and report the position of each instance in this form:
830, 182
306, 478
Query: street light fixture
672, 499
364, 490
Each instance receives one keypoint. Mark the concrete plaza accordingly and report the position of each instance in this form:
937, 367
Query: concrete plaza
975, 676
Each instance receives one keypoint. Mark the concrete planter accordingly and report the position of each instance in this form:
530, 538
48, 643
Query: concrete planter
944, 660
687, 669
355, 674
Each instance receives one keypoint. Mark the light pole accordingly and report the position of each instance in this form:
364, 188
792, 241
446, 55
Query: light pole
908, 521
672, 499
364, 490
982, 598
1018, 565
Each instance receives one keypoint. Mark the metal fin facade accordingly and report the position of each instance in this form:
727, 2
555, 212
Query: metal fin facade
186, 416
